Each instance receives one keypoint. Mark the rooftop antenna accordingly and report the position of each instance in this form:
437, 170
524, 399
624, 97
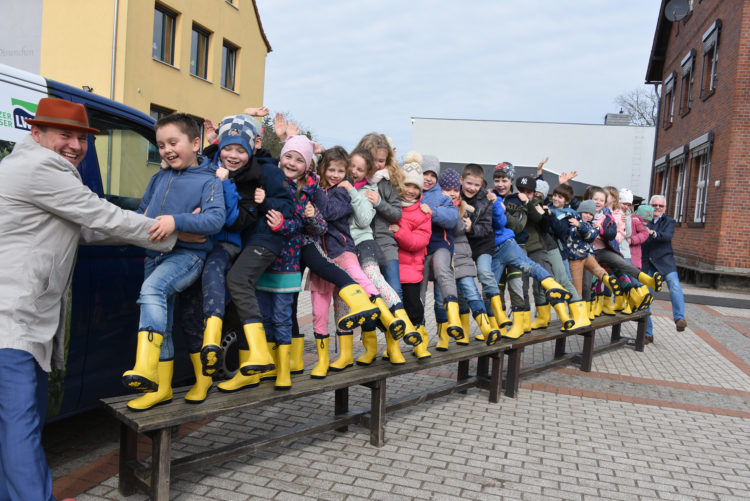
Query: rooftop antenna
677, 10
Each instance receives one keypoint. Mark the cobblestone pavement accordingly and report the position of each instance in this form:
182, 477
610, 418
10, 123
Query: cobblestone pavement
670, 423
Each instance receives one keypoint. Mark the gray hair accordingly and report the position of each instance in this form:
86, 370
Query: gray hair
657, 197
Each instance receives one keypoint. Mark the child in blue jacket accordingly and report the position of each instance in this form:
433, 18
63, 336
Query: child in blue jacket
172, 195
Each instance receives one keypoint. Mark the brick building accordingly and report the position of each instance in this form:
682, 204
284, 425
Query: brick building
702, 66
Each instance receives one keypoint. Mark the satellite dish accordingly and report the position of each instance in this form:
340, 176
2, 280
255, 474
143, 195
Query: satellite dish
677, 10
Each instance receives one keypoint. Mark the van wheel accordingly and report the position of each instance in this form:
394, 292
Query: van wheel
230, 342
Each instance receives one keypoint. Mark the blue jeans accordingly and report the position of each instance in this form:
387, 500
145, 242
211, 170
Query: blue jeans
509, 253
24, 473
468, 292
165, 275
393, 276
277, 316
675, 295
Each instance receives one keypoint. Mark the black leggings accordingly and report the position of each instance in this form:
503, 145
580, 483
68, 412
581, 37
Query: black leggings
313, 257
413, 303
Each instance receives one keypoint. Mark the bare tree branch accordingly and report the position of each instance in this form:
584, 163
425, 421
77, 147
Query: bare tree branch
642, 104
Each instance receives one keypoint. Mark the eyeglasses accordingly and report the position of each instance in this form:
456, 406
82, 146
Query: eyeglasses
658, 205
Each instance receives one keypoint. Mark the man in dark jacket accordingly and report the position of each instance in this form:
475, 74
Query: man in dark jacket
658, 256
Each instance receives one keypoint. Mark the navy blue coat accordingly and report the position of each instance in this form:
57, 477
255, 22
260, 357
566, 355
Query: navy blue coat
657, 251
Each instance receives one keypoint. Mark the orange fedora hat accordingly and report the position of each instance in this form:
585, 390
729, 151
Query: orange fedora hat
54, 112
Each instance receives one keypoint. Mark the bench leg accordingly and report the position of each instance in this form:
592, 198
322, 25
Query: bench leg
462, 372
640, 336
587, 357
377, 413
128, 453
560, 347
514, 372
496, 381
483, 367
615, 333
341, 405
161, 441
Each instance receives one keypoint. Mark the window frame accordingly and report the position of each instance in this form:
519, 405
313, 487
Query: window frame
227, 49
167, 14
669, 100
195, 50
156, 112
686, 82
679, 189
710, 58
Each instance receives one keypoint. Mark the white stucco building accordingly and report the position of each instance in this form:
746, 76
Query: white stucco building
618, 155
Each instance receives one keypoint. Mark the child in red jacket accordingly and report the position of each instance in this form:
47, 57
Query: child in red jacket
412, 233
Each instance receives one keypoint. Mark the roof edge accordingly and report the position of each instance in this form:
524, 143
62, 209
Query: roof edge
260, 25
659, 47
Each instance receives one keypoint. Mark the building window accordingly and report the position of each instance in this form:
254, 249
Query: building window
703, 160
228, 65
199, 52
710, 59
669, 101
156, 113
164, 30
679, 192
686, 85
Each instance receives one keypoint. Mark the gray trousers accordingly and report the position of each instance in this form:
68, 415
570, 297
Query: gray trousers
438, 266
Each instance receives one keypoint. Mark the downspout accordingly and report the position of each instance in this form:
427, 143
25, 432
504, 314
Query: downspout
112, 94
656, 140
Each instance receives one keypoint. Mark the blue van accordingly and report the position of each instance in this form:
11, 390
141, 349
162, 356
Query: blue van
103, 320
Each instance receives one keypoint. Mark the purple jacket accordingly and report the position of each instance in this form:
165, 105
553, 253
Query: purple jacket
336, 207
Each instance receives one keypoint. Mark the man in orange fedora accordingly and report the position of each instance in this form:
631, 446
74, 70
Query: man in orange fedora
45, 210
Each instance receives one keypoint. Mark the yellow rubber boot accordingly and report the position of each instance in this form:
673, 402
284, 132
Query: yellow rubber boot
321, 368
238, 381
393, 350
608, 307
260, 357
627, 309
361, 309
411, 336
271, 374
370, 342
620, 302
543, 316
421, 349
599, 305
490, 334
493, 322
454, 319
612, 284
283, 375
466, 326
394, 325
591, 309
198, 392
654, 282
212, 356
144, 377
499, 312
517, 329
526, 321
163, 394
561, 309
443, 341
580, 315
640, 298
554, 290
296, 363
346, 356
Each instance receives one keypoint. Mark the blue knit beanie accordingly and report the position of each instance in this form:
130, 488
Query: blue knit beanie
450, 179
238, 129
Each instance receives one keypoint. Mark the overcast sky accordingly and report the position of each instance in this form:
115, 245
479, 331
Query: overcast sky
345, 68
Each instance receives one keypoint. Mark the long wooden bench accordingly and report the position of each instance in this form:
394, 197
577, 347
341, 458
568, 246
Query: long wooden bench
159, 422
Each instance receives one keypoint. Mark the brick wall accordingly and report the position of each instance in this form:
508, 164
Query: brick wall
720, 241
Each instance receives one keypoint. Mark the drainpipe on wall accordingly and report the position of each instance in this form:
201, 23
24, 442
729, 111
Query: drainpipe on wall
656, 140
112, 94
